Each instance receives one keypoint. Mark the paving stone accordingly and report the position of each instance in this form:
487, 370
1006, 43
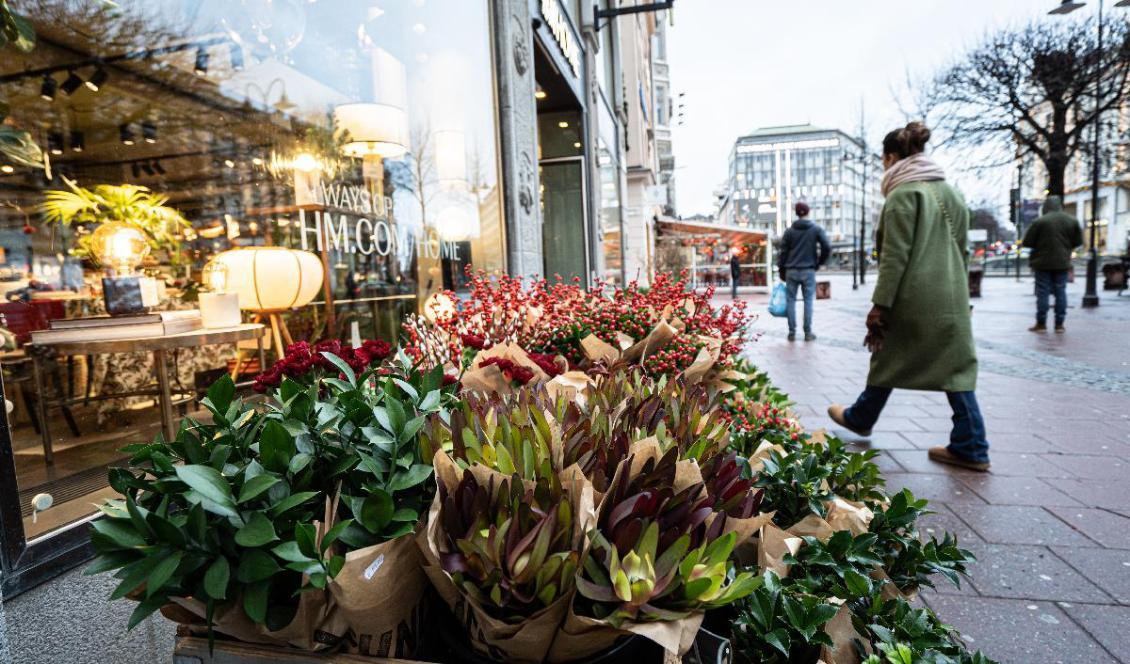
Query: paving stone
940, 488
1003, 490
1095, 467
886, 463
943, 521
879, 440
1107, 528
896, 424
1107, 624
1003, 439
1020, 631
1019, 524
1029, 572
1097, 493
1107, 568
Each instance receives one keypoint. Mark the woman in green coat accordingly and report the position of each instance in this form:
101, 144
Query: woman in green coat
919, 330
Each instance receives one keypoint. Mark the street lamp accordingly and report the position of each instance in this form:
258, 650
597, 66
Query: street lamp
1091, 296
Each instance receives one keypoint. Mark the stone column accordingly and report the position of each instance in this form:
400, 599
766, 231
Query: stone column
517, 121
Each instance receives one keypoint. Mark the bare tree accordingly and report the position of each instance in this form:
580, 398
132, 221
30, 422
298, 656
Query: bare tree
1033, 91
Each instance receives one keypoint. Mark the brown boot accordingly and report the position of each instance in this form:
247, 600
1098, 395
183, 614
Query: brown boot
943, 455
836, 412
1038, 328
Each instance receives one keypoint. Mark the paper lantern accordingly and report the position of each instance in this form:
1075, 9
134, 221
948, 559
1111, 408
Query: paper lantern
372, 129
272, 279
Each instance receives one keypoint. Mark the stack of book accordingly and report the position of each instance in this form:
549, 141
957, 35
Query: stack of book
112, 328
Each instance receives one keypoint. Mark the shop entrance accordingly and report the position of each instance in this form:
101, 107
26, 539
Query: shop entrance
561, 168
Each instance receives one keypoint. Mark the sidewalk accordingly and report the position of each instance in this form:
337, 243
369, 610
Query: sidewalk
1050, 525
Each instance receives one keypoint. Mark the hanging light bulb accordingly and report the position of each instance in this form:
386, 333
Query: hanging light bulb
97, 80
125, 133
78, 141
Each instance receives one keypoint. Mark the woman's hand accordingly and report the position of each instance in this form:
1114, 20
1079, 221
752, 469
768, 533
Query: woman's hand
876, 328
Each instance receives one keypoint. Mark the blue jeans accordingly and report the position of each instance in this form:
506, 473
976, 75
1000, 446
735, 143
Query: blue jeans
1048, 281
967, 438
804, 279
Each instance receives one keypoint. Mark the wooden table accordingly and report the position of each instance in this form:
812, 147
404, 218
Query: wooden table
158, 346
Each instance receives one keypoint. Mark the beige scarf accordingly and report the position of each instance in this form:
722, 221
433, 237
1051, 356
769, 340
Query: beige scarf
915, 168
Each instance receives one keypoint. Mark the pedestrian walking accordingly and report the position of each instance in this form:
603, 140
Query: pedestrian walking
1052, 238
735, 272
804, 249
919, 330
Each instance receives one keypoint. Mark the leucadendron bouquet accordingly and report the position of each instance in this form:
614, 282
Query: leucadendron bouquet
251, 522
522, 479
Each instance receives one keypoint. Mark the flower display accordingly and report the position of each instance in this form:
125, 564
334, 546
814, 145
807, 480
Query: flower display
550, 319
302, 358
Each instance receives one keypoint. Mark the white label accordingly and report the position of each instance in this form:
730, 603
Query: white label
371, 570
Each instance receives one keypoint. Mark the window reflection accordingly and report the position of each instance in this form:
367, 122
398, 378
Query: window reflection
361, 131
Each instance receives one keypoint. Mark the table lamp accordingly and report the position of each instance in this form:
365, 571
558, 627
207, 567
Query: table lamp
120, 248
270, 281
218, 307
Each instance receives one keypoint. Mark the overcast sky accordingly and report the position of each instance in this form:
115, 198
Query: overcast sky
745, 64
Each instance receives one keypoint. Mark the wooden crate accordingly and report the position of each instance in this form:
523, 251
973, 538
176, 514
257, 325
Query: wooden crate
194, 650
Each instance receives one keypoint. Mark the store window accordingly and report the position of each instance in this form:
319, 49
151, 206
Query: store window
360, 131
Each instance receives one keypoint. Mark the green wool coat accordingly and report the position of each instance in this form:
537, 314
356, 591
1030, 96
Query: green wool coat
924, 283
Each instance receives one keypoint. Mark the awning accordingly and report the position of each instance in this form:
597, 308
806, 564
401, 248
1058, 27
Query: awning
682, 228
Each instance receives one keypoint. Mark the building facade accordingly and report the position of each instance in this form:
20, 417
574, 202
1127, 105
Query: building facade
404, 142
774, 168
1113, 227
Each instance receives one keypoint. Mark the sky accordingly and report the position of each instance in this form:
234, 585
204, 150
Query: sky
745, 64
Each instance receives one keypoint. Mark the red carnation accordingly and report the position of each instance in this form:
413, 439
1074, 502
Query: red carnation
473, 341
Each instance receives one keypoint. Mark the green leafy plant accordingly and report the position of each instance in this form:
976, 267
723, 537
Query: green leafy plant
235, 510
902, 634
795, 485
779, 623
510, 434
909, 560
132, 205
840, 567
512, 548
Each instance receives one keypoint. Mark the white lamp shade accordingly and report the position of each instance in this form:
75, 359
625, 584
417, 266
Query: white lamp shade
372, 129
272, 278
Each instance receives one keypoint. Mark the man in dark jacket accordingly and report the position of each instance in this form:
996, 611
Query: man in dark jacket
735, 273
804, 248
1052, 238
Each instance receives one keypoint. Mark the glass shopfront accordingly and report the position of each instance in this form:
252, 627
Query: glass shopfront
363, 131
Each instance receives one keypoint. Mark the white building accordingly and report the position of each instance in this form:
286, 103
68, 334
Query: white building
1113, 229
773, 168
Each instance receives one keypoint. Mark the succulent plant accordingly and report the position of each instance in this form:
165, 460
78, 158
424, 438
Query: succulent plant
510, 547
511, 434
732, 493
657, 554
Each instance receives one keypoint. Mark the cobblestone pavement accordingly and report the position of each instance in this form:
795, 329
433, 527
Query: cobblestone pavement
1050, 525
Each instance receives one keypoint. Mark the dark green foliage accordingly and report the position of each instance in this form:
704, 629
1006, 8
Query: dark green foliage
229, 509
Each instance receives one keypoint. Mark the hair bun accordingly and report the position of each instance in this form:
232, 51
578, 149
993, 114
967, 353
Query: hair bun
915, 135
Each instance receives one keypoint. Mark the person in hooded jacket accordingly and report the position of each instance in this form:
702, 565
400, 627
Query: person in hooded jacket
1052, 238
804, 249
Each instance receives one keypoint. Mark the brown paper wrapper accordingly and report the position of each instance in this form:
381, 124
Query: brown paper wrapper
702, 364
763, 452
486, 380
377, 594
849, 515
656, 339
746, 528
843, 634
571, 385
313, 627
598, 350
773, 545
812, 526
528, 641
581, 637
515, 354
